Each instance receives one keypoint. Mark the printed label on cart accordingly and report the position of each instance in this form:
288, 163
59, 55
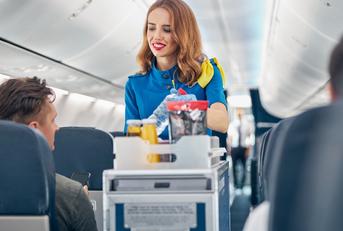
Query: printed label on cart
170, 216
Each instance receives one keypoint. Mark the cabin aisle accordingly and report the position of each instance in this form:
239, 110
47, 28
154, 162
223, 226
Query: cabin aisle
239, 211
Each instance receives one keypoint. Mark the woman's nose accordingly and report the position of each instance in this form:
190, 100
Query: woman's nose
158, 34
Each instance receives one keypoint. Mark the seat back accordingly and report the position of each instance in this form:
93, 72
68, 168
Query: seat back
308, 182
84, 149
270, 159
27, 179
257, 190
263, 123
117, 133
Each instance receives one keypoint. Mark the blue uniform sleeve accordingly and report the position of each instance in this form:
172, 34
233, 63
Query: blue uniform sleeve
131, 108
214, 89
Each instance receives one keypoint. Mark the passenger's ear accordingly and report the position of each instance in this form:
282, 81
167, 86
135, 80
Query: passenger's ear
33, 124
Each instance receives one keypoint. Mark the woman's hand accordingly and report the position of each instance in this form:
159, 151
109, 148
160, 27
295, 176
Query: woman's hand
217, 118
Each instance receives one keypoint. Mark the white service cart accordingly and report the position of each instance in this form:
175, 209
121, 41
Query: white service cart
189, 194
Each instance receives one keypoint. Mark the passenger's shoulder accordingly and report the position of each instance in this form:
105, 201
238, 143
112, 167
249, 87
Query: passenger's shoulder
67, 188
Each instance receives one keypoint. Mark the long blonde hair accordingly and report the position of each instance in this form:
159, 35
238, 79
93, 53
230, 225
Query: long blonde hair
185, 32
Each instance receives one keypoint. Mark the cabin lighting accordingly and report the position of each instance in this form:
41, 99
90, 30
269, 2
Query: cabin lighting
84, 97
105, 103
59, 91
4, 76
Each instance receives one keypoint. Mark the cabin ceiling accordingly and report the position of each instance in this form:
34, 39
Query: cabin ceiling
300, 39
89, 46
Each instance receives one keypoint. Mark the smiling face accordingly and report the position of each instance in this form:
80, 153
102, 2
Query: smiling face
159, 36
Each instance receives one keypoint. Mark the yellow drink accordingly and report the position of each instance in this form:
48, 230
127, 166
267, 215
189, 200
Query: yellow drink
149, 133
134, 127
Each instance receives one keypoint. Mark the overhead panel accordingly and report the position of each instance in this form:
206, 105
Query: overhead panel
114, 55
87, 39
43, 26
322, 14
319, 99
21, 63
300, 42
303, 37
286, 79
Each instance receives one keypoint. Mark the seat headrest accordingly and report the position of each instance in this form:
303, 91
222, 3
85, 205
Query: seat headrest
27, 172
83, 149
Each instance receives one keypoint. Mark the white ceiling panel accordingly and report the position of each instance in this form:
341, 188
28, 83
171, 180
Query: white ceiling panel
20, 19
288, 82
300, 41
21, 63
321, 14
114, 56
71, 26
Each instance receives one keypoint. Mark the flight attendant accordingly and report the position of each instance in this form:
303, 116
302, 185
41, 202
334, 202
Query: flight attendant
171, 57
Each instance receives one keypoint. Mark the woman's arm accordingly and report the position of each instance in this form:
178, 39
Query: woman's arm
217, 118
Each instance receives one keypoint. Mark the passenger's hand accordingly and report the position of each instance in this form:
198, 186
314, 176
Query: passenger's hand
85, 189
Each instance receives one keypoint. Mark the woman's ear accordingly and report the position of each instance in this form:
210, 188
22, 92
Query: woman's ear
33, 124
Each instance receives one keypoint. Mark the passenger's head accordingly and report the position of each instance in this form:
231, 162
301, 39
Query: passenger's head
29, 101
171, 31
336, 71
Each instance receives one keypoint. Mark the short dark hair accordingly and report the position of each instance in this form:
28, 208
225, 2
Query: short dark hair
336, 69
21, 99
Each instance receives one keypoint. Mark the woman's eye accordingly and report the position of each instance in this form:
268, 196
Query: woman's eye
151, 28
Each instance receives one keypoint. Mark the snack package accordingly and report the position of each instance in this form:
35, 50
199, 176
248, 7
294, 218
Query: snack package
187, 118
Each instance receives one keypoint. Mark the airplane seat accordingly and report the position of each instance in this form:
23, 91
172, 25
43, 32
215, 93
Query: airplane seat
257, 162
85, 149
27, 179
264, 121
270, 160
255, 198
117, 133
308, 185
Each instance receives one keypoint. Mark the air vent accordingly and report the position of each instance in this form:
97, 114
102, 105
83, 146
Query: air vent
80, 10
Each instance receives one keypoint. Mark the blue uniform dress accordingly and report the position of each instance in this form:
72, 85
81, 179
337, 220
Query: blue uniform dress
144, 92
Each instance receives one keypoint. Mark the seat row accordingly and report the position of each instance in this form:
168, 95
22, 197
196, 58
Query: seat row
299, 162
28, 167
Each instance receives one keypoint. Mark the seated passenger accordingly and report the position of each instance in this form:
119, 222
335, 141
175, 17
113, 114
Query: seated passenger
29, 101
259, 218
